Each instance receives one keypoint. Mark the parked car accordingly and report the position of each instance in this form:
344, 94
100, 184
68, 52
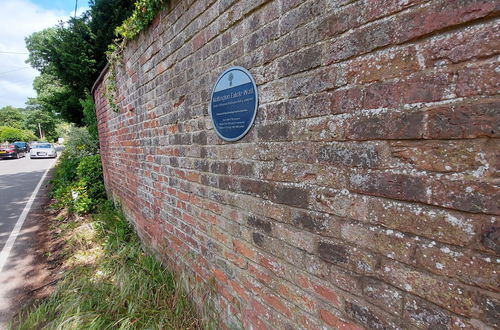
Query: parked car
43, 150
11, 151
22, 145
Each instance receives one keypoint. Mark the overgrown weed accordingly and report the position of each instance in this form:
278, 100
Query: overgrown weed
111, 283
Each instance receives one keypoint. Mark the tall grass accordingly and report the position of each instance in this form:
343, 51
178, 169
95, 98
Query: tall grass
110, 283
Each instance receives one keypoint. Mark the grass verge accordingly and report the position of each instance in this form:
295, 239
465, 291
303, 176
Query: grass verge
109, 282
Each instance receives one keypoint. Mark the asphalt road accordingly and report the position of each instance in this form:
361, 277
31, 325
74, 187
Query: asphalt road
19, 178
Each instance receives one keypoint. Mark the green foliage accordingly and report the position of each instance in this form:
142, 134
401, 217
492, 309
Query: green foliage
63, 55
91, 181
80, 143
78, 180
38, 119
143, 14
111, 283
71, 55
63, 129
111, 89
106, 16
78, 183
89, 116
12, 134
55, 98
12, 117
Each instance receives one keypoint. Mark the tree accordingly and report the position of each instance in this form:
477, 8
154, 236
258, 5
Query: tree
12, 117
12, 134
71, 55
64, 57
55, 98
106, 15
41, 120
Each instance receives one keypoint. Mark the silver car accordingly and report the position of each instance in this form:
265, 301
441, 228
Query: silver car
43, 150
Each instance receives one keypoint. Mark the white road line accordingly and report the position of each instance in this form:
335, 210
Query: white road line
4, 255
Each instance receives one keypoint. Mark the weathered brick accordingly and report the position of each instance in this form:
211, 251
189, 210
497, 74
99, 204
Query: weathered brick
356, 155
464, 121
369, 317
440, 15
293, 196
300, 15
300, 61
334, 253
336, 322
385, 125
259, 224
466, 266
382, 295
310, 106
477, 80
394, 245
274, 132
468, 195
425, 315
430, 222
491, 238
472, 42
391, 185
439, 156
399, 62
348, 257
448, 294
364, 195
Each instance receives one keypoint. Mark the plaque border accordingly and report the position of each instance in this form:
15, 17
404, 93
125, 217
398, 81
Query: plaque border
245, 71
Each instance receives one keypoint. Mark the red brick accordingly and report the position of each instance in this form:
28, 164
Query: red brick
462, 45
328, 294
220, 275
464, 120
439, 15
385, 125
391, 185
363, 196
469, 195
336, 322
479, 80
277, 304
466, 266
244, 249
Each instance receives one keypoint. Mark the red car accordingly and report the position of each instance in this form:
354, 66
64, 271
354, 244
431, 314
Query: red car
11, 151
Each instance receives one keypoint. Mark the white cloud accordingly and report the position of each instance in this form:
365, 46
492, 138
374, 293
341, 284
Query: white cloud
19, 19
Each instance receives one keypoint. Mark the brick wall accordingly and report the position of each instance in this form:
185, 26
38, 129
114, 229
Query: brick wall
366, 194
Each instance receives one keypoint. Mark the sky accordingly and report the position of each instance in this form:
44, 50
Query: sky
19, 19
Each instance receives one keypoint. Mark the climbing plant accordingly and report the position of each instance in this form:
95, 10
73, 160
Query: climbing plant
143, 14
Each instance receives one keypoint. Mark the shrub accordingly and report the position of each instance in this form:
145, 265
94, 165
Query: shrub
12, 134
80, 143
78, 183
89, 117
64, 179
90, 185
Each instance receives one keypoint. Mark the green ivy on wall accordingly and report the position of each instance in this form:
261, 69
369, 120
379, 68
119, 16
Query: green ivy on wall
142, 16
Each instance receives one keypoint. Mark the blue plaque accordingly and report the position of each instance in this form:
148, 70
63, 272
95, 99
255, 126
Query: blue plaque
234, 103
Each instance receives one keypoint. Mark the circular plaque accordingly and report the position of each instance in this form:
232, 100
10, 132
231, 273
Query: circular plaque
234, 103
